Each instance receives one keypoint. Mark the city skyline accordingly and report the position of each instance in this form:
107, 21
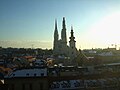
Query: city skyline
30, 23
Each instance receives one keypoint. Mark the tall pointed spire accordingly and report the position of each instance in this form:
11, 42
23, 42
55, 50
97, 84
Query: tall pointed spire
71, 27
56, 37
55, 24
72, 32
56, 31
63, 32
72, 38
72, 35
72, 44
63, 24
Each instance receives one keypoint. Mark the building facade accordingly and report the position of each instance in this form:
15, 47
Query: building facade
60, 46
27, 79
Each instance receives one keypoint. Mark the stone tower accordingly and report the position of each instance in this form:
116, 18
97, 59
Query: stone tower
72, 44
60, 45
72, 39
56, 37
63, 32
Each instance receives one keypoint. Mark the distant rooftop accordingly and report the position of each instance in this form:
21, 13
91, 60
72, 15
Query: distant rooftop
28, 73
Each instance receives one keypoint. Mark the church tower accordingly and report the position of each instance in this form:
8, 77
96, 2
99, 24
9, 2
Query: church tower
72, 42
56, 37
63, 32
60, 46
72, 39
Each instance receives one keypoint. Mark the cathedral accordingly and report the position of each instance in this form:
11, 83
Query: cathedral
60, 46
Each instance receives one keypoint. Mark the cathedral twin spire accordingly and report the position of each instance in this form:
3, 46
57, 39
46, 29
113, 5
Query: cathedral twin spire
56, 36
63, 23
63, 32
60, 46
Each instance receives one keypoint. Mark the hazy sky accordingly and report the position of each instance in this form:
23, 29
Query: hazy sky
24, 23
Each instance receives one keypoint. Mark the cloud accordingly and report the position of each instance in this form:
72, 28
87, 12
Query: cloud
26, 44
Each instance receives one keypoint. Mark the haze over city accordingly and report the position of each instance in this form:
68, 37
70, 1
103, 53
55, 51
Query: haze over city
30, 23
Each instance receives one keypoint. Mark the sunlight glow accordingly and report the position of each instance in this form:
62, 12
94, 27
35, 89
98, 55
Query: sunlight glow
104, 32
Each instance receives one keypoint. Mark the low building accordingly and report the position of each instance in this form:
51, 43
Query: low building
62, 78
27, 79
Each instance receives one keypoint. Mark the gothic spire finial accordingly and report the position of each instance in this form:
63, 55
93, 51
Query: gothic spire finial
63, 23
63, 18
72, 32
55, 24
71, 27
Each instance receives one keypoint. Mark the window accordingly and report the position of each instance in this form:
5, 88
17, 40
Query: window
41, 86
27, 74
23, 86
12, 87
13, 74
30, 86
72, 52
35, 74
42, 74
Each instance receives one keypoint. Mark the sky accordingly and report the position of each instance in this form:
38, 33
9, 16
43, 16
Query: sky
30, 23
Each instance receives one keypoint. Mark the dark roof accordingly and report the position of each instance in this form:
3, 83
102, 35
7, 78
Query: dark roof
1, 76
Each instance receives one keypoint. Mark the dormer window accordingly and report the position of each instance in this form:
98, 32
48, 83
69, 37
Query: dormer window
27, 74
42, 74
35, 74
